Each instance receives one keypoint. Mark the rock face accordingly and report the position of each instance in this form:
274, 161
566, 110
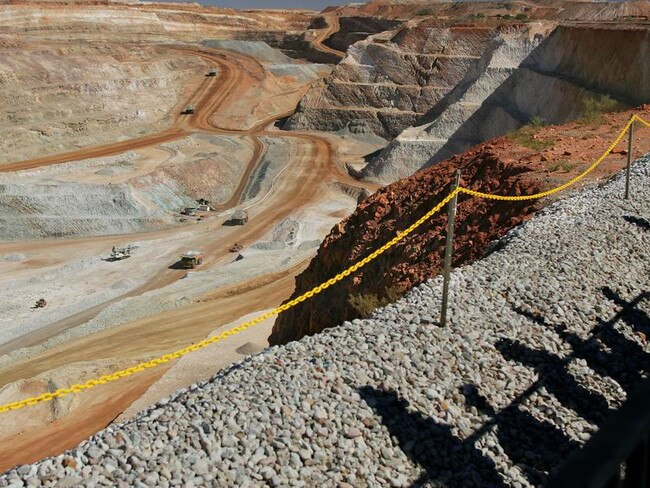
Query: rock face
516, 79
390, 80
418, 256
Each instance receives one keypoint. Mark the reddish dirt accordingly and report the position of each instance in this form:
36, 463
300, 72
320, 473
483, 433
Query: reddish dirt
96, 413
333, 26
499, 166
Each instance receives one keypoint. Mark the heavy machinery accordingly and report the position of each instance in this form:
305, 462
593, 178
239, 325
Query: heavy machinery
236, 247
119, 253
189, 109
240, 217
191, 259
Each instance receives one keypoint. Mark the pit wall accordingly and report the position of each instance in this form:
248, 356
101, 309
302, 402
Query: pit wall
507, 88
390, 80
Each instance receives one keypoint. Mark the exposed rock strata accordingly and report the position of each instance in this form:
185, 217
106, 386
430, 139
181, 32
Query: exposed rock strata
518, 79
390, 80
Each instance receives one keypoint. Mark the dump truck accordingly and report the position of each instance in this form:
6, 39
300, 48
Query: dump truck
191, 259
236, 247
119, 253
212, 72
240, 217
189, 109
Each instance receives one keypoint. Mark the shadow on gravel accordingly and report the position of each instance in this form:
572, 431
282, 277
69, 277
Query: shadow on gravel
643, 223
536, 446
431, 445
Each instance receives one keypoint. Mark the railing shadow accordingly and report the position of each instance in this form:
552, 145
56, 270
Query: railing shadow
641, 222
429, 444
535, 445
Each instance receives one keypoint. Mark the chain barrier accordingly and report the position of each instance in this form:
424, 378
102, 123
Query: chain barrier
62, 392
102, 380
568, 183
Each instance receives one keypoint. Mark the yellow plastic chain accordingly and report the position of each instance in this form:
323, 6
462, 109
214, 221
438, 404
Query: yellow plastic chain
568, 183
62, 392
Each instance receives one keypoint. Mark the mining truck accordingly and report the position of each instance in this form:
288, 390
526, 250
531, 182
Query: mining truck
212, 72
191, 259
189, 109
240, 217
119, 253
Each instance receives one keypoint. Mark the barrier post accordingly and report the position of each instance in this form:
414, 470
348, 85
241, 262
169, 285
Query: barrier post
449, 250
629, 159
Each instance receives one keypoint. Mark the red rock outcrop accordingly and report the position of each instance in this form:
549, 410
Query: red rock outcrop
420, 255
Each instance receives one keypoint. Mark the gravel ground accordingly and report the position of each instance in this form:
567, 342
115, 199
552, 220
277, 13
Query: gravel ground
546, 337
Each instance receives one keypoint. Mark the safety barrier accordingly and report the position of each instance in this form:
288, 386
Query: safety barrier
77, 388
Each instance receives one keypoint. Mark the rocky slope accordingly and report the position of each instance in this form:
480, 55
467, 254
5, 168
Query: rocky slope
518, 79
500, 166
390, 80
417, 257
546, 340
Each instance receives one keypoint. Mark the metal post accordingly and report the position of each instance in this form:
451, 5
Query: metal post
629, 160
449, 249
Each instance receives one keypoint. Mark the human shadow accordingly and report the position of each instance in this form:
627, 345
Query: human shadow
519, 434
553, 375
536, 445
601, 359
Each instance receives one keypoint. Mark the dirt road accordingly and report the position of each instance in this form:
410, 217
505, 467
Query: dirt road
333, 26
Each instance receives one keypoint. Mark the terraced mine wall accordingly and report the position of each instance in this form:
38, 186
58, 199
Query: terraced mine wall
436, 91
389, 81
512, 83
299, 44
354, 29
85, 94
35, 207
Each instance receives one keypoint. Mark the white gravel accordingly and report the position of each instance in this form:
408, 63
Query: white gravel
545, 340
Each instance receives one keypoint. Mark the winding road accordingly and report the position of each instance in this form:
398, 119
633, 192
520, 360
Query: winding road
333, 26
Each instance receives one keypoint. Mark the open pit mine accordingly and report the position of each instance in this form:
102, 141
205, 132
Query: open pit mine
171, 171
